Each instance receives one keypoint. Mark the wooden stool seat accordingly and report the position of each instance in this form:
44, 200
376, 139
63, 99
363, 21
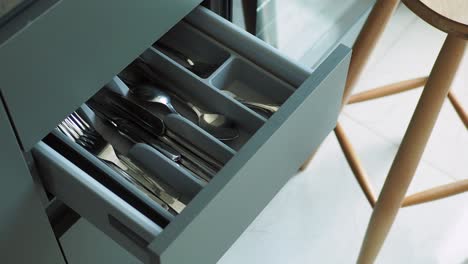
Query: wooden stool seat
450, 16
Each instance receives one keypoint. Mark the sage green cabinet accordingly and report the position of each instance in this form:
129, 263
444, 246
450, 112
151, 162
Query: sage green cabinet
25, 232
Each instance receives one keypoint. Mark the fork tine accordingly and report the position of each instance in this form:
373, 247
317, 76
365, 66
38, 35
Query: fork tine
73, 126
75, 120
67, 132
88, 134
80, 140
64, 131
81, 120
70, 130
88, 141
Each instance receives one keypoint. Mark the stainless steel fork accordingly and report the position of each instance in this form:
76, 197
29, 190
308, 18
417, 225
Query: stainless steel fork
78, 130
87, 138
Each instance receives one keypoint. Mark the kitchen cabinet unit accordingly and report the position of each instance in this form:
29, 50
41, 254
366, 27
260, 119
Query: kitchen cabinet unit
25, 233
55, 56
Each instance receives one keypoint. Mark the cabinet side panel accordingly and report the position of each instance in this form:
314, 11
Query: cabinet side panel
25, 232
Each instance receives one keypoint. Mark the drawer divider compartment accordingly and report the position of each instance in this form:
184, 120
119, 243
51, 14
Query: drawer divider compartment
183, 127
201, 90
202, 49
206, 95
199, 137
157, 165
248, 46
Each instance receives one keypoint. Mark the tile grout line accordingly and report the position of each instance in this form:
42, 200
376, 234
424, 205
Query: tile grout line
385, 52
396, 145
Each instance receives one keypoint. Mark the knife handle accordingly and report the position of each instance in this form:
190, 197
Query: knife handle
200, 153
207, 170
139, 135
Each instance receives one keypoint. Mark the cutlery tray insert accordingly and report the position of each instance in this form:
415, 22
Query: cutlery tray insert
250, 72
183, 184
177, 79
181, 181
248, 77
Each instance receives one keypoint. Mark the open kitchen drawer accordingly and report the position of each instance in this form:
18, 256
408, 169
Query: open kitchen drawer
268, 150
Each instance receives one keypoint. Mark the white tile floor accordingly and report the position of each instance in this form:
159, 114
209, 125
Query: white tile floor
321, 215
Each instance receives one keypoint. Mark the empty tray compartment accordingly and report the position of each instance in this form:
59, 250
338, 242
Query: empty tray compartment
249, 82
192, 50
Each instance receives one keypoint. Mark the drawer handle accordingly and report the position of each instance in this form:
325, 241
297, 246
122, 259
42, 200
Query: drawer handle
126, 231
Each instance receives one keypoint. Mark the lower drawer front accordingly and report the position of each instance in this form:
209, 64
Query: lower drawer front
84, 244
257, 164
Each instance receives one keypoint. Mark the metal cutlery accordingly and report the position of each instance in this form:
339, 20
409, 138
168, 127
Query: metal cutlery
215, 124
138, 135
156, 126
266, 108
194, 159
131, 131
79, 131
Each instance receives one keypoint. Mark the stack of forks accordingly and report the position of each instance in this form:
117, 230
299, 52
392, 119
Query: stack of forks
82, 133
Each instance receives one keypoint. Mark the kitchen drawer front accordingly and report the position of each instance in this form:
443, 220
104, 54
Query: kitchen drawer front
223, 210
83, 243
26, 235
94, 202
68, 53
218, 215
262, 164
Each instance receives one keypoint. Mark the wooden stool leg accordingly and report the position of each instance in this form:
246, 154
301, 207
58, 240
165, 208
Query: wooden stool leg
458, 108
411, 148
355, 164
436, 193
386, 90
367, 40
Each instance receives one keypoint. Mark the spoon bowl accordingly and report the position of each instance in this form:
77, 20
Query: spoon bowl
215, 124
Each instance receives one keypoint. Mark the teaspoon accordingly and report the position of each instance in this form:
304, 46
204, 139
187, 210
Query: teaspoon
268, 108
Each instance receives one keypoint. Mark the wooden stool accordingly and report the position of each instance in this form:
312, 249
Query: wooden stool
448, 16
451, 17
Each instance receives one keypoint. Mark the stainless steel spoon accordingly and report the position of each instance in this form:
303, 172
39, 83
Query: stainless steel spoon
215, 124
268, 108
